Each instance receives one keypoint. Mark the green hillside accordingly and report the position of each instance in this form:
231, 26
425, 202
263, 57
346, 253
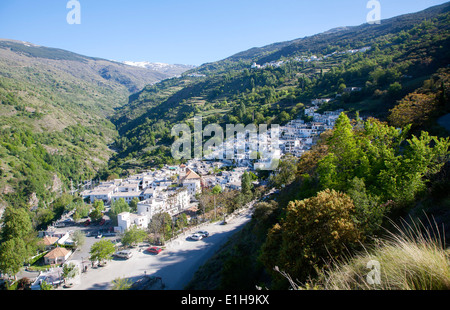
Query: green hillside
344, 191
67, 118
54, 127
388, 62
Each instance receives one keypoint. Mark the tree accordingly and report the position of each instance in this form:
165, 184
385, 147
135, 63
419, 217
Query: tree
16, 223
285, 172
394, 90
97, 213
161, 226
314, 231
246, 184
17, 240
69, 271
216, 189
337, 167
102, 250
133, 204
133, 235
415, 109
182, 221
79, 238
284, 117
81, 211
121, 284
45, 286
369, 212
391, 166
13, 254
118, 207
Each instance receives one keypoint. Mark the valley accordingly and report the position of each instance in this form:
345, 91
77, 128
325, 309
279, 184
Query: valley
363, 149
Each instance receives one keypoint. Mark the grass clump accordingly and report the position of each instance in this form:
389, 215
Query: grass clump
414, 258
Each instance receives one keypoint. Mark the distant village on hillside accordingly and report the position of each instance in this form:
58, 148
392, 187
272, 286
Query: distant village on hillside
173, 189
311, 58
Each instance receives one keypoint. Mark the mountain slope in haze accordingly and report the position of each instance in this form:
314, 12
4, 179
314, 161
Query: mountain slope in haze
133, 78
54, 128
170, 69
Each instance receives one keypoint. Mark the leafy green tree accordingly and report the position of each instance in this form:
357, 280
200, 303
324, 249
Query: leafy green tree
16, 223
216, 189
121, 284
118, 207
392, 167
133, 204
369, 212
13, 253
182, 221
97, 213
161, 225
284, 117
133, 235
69, 272
81, 211
102, 250
45, 286
246, 184
285, 172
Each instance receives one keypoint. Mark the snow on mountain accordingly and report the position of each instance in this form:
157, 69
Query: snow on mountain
157, 66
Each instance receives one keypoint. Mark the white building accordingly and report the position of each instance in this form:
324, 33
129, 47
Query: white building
150, 207
192, 181
126, 220
127, 196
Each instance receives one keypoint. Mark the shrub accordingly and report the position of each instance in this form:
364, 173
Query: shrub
313, 231
411, 259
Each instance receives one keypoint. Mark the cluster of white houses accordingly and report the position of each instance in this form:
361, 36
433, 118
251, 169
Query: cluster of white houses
311, 58
170, 190
299, 136
173, 188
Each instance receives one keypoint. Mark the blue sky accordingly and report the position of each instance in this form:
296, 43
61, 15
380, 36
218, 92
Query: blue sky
182, 31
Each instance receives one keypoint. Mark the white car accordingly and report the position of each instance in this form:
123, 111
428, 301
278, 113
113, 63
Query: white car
196, 237
124, 254
202, 233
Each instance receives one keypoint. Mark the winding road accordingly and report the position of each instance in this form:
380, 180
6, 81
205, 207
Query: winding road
176, 265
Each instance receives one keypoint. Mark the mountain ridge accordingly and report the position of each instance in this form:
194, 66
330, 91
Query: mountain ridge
387, 25
405, 51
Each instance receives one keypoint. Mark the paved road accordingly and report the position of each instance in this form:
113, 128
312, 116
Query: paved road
175, 265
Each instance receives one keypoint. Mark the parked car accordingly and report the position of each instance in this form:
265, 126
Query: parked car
154, 250
123, 254
102, 222
203, 233
87, 222
99, 236
196, 237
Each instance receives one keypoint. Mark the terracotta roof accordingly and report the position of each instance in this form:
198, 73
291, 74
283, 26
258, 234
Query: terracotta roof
49, 240
191, 175
57, 252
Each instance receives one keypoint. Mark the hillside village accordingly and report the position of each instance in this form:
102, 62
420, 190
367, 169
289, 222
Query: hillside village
307, 59
173, 189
